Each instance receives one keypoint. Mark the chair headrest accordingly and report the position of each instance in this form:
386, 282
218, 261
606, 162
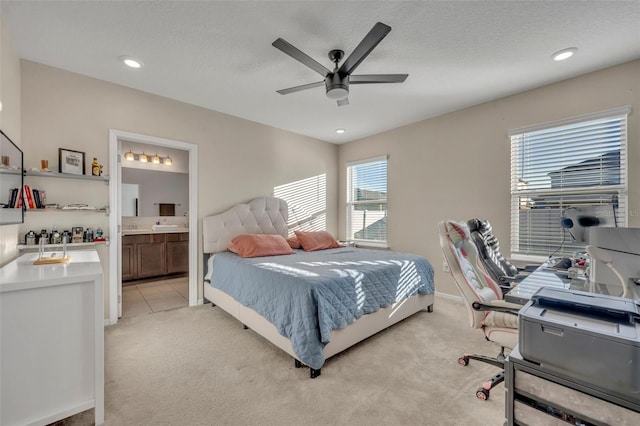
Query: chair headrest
474, 224
479, 225
457, 232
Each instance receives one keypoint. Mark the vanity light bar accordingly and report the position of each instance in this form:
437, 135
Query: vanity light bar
145, 158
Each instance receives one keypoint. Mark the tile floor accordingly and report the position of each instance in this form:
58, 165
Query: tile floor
150, 297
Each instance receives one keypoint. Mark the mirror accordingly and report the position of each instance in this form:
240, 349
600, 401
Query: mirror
11, 182
158, 193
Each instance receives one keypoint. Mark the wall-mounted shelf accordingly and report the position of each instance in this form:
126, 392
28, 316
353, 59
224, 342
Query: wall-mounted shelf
105, 211
69, 245
10, 171
34, 173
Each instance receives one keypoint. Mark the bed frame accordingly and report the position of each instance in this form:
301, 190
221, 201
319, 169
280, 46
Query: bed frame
268, 215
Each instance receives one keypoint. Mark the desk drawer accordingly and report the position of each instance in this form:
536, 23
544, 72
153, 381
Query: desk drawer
573, 401
527, 415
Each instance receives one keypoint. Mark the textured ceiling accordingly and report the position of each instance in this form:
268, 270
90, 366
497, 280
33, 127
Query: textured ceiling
218, 54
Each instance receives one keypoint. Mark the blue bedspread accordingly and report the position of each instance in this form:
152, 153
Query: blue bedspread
308, 294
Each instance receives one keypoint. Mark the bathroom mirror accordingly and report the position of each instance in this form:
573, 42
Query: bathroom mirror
11, 182
155, 189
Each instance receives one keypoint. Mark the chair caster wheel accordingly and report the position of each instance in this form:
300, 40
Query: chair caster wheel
463, 360
482, 394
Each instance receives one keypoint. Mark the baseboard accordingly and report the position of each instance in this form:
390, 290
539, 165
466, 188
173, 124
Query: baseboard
448, 296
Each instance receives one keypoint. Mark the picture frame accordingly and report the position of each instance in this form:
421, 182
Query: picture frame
71, 161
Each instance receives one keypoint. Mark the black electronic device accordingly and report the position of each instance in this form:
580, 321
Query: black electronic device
563, 263
577, 220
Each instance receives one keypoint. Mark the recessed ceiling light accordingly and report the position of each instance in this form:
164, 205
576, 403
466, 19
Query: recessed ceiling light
339, 131
563, 54
131, 62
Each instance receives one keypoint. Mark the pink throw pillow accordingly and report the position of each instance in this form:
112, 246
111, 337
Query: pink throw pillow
294, 243
258, 245
312, 241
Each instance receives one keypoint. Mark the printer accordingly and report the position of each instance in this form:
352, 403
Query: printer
591, 339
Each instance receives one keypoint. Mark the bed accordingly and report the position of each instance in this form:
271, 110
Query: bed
312, 305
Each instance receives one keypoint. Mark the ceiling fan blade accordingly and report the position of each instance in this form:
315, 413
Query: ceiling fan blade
300, 56
299, 88
368, 43
377, 78
343, 102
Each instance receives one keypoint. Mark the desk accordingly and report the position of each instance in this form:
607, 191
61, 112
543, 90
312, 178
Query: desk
544, 276
537, 396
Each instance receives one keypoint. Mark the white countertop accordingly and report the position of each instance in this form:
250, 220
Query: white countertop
22, 274
151, 231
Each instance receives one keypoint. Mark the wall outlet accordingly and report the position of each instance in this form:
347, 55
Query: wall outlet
445, 266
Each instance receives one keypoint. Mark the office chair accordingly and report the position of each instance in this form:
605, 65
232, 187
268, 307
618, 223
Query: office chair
482, 297
503, 272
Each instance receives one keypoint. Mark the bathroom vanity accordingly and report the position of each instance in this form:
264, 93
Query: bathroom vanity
149, 253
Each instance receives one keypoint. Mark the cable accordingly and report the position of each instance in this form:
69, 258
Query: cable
562, 242
614, 204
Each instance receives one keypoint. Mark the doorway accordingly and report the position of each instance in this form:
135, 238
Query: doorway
189, 210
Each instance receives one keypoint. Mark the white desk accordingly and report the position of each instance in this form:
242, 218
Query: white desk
537, 396
547, 277
51, 339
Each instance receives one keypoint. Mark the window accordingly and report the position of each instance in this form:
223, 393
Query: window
560, 167
307, 201
367, 201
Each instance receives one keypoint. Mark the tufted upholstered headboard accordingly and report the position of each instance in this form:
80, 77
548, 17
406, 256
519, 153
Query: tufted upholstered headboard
264, 215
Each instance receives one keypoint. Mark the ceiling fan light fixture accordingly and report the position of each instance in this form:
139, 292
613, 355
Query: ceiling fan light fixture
337, 93
337, 87
337, 81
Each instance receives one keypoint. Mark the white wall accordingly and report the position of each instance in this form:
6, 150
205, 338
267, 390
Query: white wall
9, 123
456, 166
238, 159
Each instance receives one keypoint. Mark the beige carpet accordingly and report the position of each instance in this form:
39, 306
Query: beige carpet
197, 366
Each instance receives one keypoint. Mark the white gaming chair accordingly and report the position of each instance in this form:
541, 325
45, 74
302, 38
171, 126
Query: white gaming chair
482, 297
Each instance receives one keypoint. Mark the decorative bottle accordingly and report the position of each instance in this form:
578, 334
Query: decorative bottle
95, 167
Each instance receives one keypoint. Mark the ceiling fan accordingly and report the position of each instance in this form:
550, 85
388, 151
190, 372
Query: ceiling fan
337, 81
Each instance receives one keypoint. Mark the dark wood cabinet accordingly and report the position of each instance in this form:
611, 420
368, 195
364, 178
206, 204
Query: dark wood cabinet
129, 264
177, 253
152, 255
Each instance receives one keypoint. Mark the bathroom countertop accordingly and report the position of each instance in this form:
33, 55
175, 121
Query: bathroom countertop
151, 231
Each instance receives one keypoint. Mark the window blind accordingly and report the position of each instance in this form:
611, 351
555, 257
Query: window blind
367, 200
576, 163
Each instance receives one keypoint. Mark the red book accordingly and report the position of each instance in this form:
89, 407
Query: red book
29, 202
19, 199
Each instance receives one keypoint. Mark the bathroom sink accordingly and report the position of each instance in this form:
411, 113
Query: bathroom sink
163, 227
